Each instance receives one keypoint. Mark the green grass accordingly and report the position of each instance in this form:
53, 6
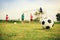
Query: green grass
28, 31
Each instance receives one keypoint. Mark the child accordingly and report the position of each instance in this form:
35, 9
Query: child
31, 17
22, 17
7, 18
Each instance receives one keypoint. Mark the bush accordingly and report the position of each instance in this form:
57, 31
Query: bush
2, 20
58, 16
57, 22
26, 21
36, 20
11, 21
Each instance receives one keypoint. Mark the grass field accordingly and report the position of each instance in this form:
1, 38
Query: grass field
28, 31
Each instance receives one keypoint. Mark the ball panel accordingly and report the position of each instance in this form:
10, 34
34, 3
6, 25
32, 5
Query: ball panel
47, 27
43, 22
49, 21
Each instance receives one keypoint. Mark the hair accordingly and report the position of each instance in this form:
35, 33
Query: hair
6, 14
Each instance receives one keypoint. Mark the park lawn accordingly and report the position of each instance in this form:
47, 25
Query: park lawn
28, 31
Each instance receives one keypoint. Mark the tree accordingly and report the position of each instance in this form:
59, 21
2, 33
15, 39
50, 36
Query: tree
58, 16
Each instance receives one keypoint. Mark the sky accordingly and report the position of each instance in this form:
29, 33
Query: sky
14, 8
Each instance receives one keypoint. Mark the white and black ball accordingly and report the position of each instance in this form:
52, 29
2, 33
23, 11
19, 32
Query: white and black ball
15, 23
47, 23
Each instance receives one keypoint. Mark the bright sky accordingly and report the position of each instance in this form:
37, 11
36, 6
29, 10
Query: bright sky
27, 4
15, 7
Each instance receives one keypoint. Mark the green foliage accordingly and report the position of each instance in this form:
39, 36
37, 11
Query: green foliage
10, 21
26, 21
2, 20
58, 16
57, 22
36, 20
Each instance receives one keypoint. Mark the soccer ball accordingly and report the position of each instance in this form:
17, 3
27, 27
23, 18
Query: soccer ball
14, 22
47, 23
